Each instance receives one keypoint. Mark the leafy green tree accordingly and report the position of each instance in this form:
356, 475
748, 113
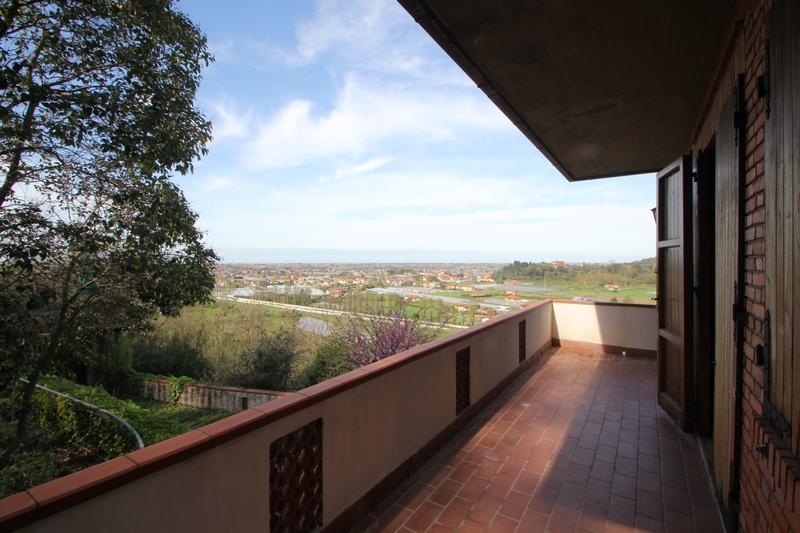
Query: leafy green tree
331, 359
97, 87
96, 113
268, 367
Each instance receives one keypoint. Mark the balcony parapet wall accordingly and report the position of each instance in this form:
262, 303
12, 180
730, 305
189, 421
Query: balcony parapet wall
625, 329
378, 424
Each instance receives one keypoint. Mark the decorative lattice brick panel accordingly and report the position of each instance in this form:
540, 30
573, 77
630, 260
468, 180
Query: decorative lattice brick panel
295, 480
462, 380
522, 341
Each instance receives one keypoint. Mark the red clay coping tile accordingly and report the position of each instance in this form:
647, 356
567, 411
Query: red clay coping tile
169, 452
68, 491
232, 427
238, 389
18, 511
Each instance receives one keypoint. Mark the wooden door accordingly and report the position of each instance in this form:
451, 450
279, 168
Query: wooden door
705, 309
675, 305
727, 286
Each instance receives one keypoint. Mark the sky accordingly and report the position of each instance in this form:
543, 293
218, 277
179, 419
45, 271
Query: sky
343, 133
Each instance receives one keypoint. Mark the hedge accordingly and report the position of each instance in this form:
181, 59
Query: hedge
75, 423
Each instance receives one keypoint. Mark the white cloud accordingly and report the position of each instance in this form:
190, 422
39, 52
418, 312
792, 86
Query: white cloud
364, 118
369, 33
365, 35
221, 50
216, 183
361, 168
408, 210
229, 123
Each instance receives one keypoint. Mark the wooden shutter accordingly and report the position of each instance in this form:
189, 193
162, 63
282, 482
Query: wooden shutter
726, 274
675, 361
782, 204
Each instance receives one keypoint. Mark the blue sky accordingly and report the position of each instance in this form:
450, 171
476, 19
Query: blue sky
342, 132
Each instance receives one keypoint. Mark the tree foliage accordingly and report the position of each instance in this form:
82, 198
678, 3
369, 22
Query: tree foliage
372, 333
96, 88
268, 367
331, 359
642, 271
96, 114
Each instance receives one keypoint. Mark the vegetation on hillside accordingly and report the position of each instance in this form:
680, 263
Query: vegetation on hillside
69, 437
97, 113
224, 343
634, 273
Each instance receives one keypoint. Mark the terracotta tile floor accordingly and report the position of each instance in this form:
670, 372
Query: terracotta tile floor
575, 444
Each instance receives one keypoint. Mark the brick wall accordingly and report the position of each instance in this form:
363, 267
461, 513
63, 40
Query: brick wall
769, 481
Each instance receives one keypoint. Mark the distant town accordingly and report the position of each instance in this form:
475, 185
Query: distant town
486, 288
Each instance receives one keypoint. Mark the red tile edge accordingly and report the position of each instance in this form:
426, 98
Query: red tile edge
169, 452
234, 426
18, 511
71, 490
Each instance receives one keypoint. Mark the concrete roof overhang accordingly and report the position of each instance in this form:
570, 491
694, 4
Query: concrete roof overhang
600, 88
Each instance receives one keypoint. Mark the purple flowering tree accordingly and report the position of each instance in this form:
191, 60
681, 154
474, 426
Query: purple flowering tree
375, 335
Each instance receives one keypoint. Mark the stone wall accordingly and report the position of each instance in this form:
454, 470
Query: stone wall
201, 396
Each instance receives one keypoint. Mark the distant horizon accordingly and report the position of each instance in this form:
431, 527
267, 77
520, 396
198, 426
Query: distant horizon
344, 256
342, 125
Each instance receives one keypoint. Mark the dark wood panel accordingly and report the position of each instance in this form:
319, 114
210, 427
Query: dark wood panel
783, 386
782, 169
794, 276
705, 295
675, 364
727, 246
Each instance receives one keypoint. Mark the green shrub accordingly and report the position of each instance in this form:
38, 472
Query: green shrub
33, 465
268, 366
331, 359
116, 363
151, 427
77, 424
173, 355
176, 387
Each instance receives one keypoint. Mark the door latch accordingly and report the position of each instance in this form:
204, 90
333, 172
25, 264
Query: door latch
739, 314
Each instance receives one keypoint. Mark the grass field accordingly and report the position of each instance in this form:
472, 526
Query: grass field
637, 295
642, 294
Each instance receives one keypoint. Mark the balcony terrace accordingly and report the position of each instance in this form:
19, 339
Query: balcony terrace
532, 420
577, 443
